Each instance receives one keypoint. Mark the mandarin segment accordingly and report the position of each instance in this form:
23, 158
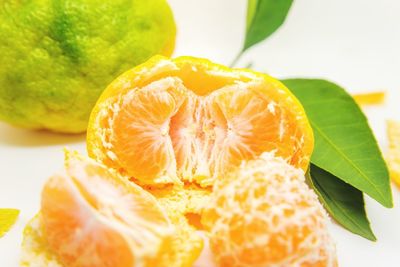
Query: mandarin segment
183, 250
92, 216
140, 136
263, 214
198, 120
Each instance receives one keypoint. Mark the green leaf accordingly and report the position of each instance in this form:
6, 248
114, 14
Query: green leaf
344, 143
7, 219
251, 10
344, 202
263, 18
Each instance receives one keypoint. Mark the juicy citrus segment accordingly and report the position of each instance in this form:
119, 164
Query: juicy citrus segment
255, 124
393, 158
64, 216
183, 250
373, 98
91, 217
188, 120
141, 138
263, 214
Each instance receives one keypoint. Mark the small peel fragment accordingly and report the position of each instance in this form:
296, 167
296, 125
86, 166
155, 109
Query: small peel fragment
393, 157
373, 98
7, 219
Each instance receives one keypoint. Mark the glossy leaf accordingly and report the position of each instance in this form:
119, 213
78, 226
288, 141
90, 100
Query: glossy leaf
251, 10
344, 202
344, 143
263, 18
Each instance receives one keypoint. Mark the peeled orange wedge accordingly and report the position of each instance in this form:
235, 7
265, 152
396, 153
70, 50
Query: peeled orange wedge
90, 216
187, 120
264, 214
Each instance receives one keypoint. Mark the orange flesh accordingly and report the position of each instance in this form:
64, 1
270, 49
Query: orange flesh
65, 219
274, 220
92, 218
190, 125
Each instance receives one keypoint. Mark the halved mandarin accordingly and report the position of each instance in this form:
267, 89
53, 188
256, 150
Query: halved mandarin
91, 216
187, 120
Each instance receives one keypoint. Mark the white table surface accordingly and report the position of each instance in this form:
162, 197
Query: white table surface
354, 43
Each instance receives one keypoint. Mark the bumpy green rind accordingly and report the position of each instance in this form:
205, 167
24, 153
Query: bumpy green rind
57, 56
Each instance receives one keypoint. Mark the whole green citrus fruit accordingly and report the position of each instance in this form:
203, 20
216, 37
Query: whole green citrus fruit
57, 56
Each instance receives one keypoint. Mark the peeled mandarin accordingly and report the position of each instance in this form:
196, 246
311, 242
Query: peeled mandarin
264, 214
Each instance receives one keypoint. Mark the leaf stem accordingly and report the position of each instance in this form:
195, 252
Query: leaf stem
236, 59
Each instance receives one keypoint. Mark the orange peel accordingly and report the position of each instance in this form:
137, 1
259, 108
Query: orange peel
393, 156
373, 98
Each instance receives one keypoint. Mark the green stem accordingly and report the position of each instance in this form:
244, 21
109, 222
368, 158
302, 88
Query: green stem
249, 65
236, 59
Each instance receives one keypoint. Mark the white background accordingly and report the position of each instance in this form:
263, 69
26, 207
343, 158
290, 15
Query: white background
354, 43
